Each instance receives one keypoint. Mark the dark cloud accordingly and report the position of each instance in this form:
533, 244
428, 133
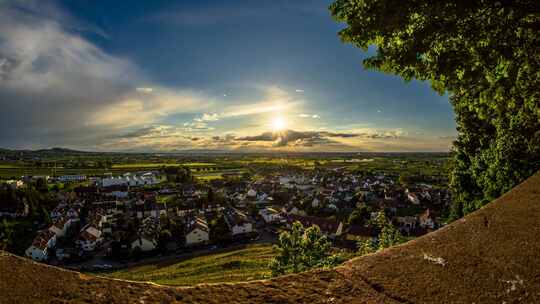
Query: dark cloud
52, 80
140, 132
297, 138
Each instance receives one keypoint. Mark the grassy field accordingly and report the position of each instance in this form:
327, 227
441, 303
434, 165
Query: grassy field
158, 165
250, 263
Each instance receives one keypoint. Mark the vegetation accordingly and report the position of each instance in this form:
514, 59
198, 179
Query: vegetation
250, 263
17, 234
302, 249
486, 56
388, 236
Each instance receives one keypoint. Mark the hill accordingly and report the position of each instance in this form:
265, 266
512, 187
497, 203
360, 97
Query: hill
490, 256
249, 263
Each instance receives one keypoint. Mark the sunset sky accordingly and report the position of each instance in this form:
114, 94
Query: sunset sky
178, 75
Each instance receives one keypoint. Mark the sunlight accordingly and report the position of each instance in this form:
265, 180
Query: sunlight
278, 124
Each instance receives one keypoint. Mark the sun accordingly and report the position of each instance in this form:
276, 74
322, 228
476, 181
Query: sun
278, 124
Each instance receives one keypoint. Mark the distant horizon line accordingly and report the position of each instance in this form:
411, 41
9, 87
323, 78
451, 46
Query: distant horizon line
216, 151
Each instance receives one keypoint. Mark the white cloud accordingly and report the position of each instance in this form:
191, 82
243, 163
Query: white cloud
132, 110
207, 117
68, 90
145, 89
314, 116
299, 91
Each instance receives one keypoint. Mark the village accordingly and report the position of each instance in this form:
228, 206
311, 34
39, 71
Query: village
102, 220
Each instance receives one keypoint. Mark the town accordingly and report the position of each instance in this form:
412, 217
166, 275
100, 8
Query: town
108, 221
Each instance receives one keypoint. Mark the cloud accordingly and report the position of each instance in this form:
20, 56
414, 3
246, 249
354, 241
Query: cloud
207, 117
145, 89
314, 116
297, 138
299, 91
196, 126
58, 88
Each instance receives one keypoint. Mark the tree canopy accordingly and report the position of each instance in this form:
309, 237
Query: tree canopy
302, 249
486, 56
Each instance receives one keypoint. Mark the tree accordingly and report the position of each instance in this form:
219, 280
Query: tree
359, 216
163, 239
404, 178
302, 249
219, 231
486, 56
388, 236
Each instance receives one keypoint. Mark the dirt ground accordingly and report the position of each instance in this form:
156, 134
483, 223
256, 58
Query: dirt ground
490, 256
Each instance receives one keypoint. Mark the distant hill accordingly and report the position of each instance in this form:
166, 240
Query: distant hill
490, 256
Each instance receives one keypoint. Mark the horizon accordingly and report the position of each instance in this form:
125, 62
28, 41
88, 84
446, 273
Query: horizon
174, 76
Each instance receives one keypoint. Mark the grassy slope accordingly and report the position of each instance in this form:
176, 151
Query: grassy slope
246, 264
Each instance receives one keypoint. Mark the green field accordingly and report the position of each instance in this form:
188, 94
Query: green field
250, 263
159, 165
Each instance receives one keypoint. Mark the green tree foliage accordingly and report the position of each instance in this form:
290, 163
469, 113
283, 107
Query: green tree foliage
404, 179
302, 249
219, 231
178, 174
486, 56
388, 236
359, 216
163, 239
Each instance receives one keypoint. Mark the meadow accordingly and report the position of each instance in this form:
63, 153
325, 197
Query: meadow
249, 263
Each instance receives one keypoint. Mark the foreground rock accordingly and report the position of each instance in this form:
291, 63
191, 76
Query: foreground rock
491, 256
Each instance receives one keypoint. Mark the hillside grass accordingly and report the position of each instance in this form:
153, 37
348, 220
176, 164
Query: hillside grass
250, 263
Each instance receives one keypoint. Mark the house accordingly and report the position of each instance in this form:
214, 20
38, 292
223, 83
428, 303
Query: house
329, 227
60, 227
355, 233
270, 215
15, 184
426, 220
358, 232
144, 243
89, 238
197, 231
406, 224
252, 193
39, 250
413, 198
72, 213
238, 222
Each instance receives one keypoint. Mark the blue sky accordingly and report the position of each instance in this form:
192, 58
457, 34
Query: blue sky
177, 75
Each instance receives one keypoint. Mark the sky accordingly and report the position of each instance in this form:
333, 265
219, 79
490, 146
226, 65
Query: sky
168, 76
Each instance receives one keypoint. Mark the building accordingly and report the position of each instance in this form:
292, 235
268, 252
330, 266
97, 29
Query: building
197, 231
144, 243
238, 222
72, 178
89, 238
426, 220
270, 215
330, 228
130, 180
39, 250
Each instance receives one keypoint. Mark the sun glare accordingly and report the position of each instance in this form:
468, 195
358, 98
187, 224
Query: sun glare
278, 124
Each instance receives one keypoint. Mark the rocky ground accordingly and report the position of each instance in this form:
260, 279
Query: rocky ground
490, 256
